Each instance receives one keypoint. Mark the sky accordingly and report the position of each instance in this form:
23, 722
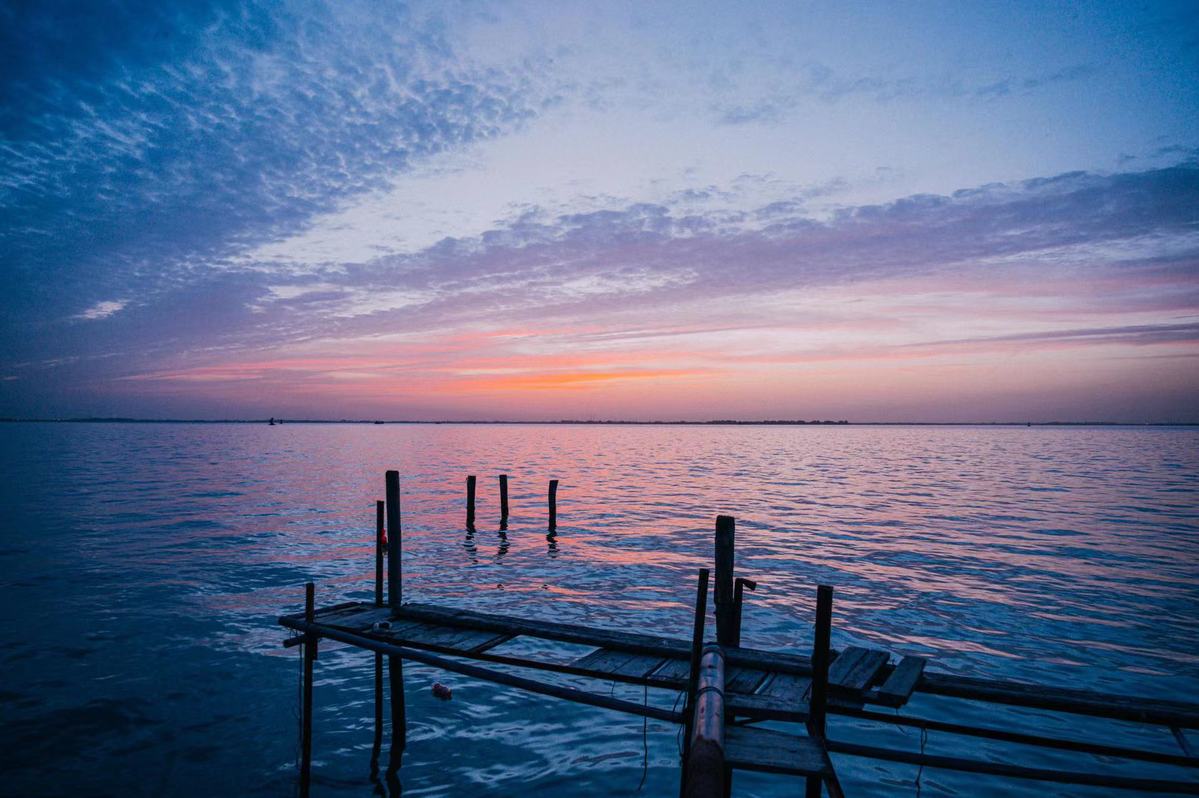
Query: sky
657, 211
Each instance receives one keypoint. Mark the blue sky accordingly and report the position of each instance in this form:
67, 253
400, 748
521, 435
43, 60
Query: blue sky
918, 211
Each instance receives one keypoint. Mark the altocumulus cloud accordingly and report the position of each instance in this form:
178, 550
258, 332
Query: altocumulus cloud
144, 142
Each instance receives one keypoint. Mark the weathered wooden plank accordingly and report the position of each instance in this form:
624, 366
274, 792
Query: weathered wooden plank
743, 680
764, 707
787, 688
640, 666
542, 687
603, 660
497, 640
672, 671
898, 688
770, 751
619, 663
362, 620
845, 662
1085, 702
340, 611
856, 668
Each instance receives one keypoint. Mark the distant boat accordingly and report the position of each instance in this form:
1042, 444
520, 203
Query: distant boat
378, 422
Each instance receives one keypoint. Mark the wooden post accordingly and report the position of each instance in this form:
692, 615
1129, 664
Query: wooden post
697, 645
395, 665
818, 702
380, 514
503, 501
380, 549
309, 658
470, 502
553, 499
725, 608
705, 769
395, 543
739, 584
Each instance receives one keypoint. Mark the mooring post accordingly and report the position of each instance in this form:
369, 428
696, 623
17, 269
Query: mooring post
739, 585
309, 658
395, 665
380, 547
470, 501
706, 774
553, 500
818, 699
503, 501
725, 608
395, 543
697, 645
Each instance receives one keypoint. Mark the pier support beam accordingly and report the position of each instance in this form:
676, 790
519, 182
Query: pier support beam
818, 701
706, 775
395, 665
726, 609
380, 549
380, 552
309, 658
395, 542
553, 502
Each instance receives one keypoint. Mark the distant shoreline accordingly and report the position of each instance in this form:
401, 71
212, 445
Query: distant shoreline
573, 422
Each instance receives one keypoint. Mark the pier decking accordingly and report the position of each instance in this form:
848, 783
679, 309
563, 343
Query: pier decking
728, 687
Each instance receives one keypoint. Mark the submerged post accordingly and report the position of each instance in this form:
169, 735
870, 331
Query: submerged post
380, 546
470, 501
503, 500
309, 658
553, 501
394, 541
726, 620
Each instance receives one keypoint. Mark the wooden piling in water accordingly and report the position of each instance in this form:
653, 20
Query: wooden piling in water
309, 659
726, 620
553, 502
395, 542
817, 703
706, 774
697, 644
503, 501
380, 531
739, 585
380, 549
395, 665
470, 502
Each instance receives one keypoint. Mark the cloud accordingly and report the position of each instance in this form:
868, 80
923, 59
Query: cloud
104, 309
150, 144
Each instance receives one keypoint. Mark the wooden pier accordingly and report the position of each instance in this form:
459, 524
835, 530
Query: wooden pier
728, 688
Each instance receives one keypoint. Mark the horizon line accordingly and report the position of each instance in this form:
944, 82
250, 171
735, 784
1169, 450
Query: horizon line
611, 422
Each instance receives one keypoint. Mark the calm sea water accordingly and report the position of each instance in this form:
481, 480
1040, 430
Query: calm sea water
142, 568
